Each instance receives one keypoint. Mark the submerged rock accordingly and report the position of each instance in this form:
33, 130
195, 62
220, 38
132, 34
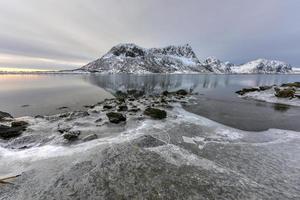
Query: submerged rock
155, 113
72, 135
115, 117
62, 108
147, 141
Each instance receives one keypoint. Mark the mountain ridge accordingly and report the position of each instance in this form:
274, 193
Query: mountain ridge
131, 58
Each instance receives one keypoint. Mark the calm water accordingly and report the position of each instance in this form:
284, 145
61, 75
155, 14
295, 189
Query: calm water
44, 94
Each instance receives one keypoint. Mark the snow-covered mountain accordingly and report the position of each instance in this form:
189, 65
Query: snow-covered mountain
130, 58
262, 66
217, 66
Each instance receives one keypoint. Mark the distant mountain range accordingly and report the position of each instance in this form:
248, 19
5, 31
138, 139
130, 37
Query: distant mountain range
130, 58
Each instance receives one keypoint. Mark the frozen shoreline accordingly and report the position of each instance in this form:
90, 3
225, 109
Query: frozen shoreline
184, 150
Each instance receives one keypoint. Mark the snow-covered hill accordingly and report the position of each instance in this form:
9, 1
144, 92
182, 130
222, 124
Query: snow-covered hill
262, 66
130, 58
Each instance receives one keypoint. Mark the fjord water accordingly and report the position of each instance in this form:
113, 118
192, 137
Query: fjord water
199, 158
23, 95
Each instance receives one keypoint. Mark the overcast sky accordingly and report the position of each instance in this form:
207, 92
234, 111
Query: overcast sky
58, 34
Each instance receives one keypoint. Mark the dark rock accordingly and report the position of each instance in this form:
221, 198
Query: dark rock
7, 132
5, 115
120, 94
107, 107
90, 137
147, 141
134, 110
265, 87
98, 120
285, 93
295, 84
165, 93
19, 123
155, 113
131, 99
122, 108
63, 128
115, 117
25, 105
39, 116
246, 90
72, 135
181, 92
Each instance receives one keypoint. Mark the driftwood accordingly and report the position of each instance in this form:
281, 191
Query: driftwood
4, 180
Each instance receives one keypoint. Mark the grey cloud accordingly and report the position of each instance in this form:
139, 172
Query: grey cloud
81, 30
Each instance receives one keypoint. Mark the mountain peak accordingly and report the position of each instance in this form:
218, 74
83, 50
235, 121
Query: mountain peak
131, 58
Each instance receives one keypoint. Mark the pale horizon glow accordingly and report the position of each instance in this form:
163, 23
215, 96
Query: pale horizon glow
55, 35
14, 69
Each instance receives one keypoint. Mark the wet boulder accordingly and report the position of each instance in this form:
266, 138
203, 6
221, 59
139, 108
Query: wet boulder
246, 90
72, 135
115, 117
181, 92
19, 124
7, 132
155, 113
285, 93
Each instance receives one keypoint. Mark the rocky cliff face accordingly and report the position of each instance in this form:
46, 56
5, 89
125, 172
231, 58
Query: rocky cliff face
218, 66
130, 58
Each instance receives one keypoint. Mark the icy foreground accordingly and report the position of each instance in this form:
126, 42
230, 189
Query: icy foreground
130, 58
184, 156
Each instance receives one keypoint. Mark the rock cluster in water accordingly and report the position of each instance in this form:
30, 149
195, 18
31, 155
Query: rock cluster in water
126, 105
286, 90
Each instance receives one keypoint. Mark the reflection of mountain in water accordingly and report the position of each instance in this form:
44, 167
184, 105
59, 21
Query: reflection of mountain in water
156, 83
